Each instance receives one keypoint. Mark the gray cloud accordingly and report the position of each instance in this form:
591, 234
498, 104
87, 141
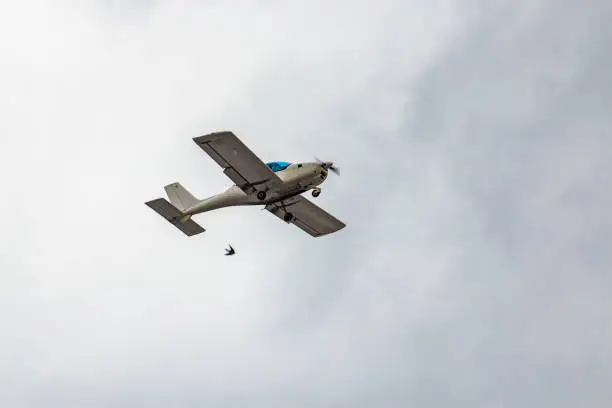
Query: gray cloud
472, 140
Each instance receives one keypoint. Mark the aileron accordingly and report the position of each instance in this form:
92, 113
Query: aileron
239, 163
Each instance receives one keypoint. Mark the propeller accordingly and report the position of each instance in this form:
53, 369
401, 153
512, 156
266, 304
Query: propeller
328, 165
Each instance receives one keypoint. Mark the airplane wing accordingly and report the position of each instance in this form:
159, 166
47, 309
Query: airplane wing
239, 163
307, 216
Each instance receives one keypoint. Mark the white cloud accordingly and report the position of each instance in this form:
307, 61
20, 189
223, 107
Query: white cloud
476, 236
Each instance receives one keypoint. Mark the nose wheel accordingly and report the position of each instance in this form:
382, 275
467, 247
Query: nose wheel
261, 195
316, 192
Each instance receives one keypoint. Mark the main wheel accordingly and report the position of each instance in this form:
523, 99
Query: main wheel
288, 217
261, 195
315, 193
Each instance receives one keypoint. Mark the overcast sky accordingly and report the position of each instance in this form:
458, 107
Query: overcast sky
474, 140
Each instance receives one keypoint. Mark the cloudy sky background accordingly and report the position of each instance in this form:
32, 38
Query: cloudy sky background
474, 141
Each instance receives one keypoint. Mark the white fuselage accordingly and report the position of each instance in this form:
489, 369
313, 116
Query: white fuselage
296, 179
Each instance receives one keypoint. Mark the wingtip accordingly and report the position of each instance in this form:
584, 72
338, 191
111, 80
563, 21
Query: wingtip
198, 139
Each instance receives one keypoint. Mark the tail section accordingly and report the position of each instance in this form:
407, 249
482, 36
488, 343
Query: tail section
180, 197
173, 215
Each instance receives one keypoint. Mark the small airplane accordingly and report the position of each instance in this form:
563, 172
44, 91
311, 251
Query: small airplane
229, 251
276, 185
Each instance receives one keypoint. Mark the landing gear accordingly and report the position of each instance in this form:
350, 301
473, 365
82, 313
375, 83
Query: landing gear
316, 192
261, 195
288, 217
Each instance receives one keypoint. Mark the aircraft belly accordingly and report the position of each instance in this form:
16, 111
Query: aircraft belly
294, 183
230, 197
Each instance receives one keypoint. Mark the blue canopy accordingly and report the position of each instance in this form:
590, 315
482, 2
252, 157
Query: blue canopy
278, 166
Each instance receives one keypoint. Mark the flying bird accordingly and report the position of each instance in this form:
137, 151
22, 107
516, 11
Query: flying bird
229, 251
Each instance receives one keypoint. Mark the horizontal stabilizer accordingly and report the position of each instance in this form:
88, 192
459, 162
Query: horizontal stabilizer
172, 214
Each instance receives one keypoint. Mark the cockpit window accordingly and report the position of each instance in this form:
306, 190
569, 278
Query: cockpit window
278, 166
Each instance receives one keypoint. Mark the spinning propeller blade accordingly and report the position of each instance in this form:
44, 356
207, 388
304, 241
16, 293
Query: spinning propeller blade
328, 165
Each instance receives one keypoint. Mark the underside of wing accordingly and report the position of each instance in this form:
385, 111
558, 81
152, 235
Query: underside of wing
306, 215
239, 163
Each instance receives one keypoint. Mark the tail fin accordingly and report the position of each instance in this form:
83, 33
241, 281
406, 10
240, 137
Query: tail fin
179, 196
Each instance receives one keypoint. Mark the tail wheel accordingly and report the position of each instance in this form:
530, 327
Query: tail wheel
288, 217
261, 195
316, 192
